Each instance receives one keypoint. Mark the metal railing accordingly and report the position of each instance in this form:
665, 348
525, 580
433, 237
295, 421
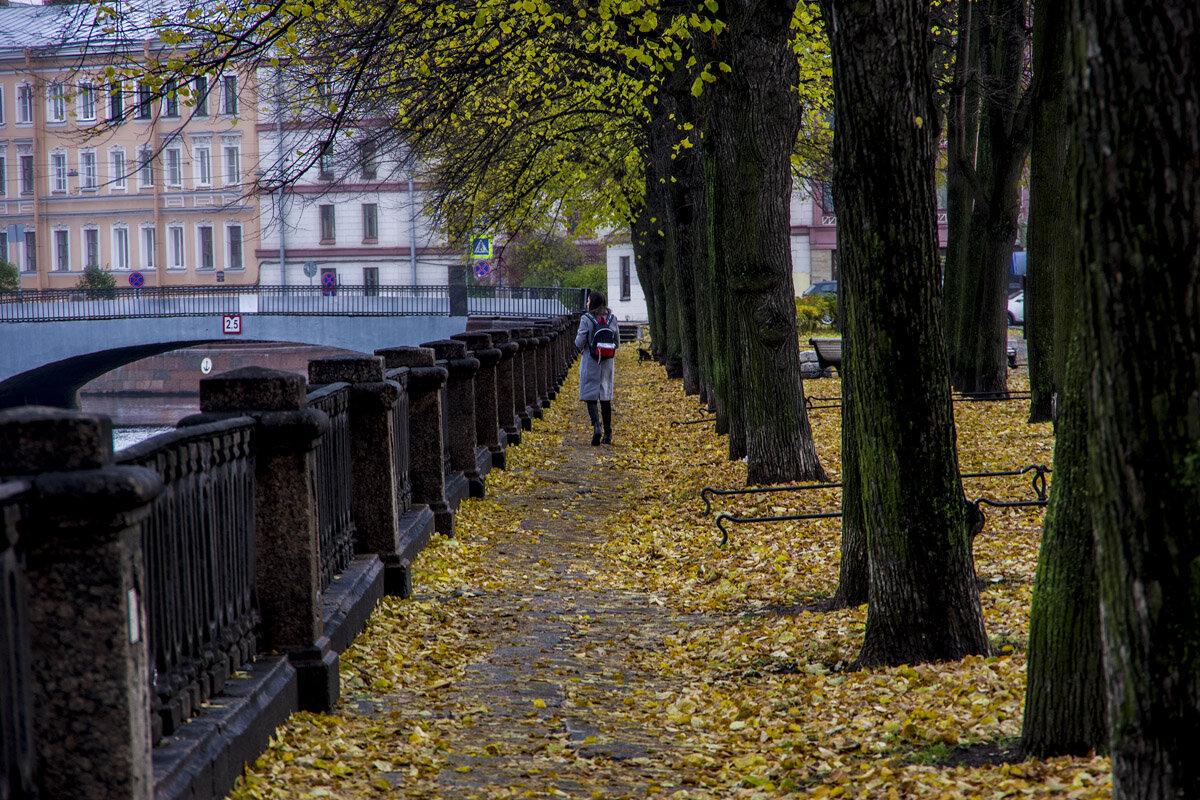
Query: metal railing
198, 545
1037, 484
63, 305
335, 511
400, 439
17, 755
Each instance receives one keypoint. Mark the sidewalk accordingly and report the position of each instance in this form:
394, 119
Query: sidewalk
583, 636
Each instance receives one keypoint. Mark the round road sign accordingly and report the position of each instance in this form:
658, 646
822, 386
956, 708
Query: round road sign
481, 269
136, 279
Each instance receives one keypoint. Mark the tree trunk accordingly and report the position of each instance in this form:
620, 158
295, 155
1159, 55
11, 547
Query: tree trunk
854, 575
754, 117
1139, 194
923, 601
1064, 694
978, 342
962, 130
1052, 236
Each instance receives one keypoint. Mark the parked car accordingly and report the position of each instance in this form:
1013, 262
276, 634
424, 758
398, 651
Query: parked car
821, 287
826, 291
1016, 309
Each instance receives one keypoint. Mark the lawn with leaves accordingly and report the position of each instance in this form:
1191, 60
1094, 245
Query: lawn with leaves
584, 635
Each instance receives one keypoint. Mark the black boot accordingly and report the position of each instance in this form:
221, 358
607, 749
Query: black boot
594, 414
606, 411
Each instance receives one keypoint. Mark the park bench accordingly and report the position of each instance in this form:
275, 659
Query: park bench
829, 353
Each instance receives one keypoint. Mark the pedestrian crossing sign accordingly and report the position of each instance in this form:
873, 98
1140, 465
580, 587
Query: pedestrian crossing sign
481, 247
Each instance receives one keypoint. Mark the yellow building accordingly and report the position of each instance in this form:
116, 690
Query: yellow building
154, 186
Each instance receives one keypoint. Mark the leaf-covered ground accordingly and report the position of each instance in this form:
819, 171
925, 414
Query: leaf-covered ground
584, 636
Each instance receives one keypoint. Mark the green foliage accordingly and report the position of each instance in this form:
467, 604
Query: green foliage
97, 282
815, 311
10, 279
542, 259
587, 276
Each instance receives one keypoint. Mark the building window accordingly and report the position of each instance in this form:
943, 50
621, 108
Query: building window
370, 223
827, 197
145, 101
175, 237
25, 103
368, 157
204, 237
91, 247
87, 102
116, 100
3, 176
30, 251
229, 98
58, 172
56, 100
174, 166
62, 250
145, 167
148, 248
371, 281
87, 170
233, 165
4, 245
1, 105
170, 100
202, 162
625, 277
117, 159
233, 235
200, 86
26, 165
328, 229
325, 161
120, 248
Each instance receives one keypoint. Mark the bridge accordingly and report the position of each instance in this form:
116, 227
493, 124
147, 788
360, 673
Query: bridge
56, 341
166, 608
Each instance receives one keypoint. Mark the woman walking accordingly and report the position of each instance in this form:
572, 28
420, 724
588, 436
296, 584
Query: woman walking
597, 340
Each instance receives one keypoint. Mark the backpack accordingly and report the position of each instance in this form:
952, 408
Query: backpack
603, 339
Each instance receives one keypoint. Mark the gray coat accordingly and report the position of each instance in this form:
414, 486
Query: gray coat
595, 378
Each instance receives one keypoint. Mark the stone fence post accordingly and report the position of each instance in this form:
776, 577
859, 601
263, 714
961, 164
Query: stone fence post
460, 411
377, 504
426, 465
89, 671
506, 406
487, 420
527, 407
287, 569
546, 388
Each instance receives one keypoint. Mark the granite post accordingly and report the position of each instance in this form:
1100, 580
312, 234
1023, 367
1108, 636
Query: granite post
460, 410
287, 568
89, 670
487, 422
426, 463
506, 415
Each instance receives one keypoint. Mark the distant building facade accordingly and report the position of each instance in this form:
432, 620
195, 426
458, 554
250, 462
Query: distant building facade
99, 171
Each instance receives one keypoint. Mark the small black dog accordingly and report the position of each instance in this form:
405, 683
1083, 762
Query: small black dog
644, 355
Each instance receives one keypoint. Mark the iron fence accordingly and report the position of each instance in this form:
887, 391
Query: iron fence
335, 513
62, 305
198, 545
400, 439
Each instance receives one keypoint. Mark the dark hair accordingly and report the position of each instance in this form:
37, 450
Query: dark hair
595, 300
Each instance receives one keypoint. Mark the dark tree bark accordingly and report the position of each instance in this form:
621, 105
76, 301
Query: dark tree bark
924, 601
854, 575
978, 341
1052, 236
1139, 79
754, 117
1065, 710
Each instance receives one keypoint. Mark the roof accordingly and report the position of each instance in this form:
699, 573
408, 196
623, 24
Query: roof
69, 28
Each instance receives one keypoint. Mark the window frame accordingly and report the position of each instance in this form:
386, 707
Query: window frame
58, 172
26, 177
233, 171
176, 247
229, 98
626, 277
30, 251
200, 88
149, 239
119, 179
56, 102
202, 165
206, 255
235, 258
85, 102
116, 100
173, 166
61, 256
3, 174
24, 104
144, 107
370, 220
170, 100
91, 246
368, 157
145, 167
328, 218
120, 248
89, 171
